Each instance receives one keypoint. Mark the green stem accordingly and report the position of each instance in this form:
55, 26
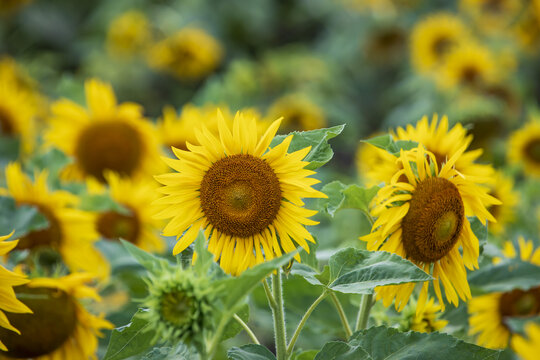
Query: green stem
342, 315
363, 311
269, 296
247, 329
303, 322
214, 343
279, 317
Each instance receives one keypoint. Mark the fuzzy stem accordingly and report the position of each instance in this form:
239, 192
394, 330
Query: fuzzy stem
303, 322
279, 317
363, 312
269, 296
342, 315
247, 329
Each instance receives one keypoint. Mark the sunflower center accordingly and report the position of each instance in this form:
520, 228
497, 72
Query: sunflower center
113, 225
470, 76
442, 45
240, 195
48, 237
176, 307
53, 321
520, 303
6, 125
494, 6
532, 150
434, 221
109, 145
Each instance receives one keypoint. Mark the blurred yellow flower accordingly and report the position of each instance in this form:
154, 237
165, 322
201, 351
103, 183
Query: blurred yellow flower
492, 16
524, 147
427, 321
502, 189
299, 113
528, 348
129, 34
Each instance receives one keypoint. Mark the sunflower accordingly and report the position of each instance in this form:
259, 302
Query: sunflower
128, 34
469, 65
71, 331
433, 37
438, 139
136, 225
374, 164
422, 216
528, 349
524, 147
9, 6
299, 113
487, 313
245, 195
70, 231
492, 16
189, 54
10, 279
503, 189
385, 45
427, 320
105, 137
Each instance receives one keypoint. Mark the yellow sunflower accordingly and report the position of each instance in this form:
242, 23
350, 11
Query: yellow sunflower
71, 231
469, 65
438, 139
422, 216
528, 349
433, 37
503, 189
524, 147
492, 16
427, 320
129, 34
247, 197
374, 164
136, 225
527, 29
60, 328
9, 279
188, 54
105, 137
487, 313
299, 113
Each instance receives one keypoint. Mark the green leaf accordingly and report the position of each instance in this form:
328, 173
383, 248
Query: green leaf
147, 260
250, 352
311, 258
9, 150
341, 196
320, 152
386, 142
129, 340
23, 219
100, 203
307, 273
382, 343
507, 275
305, 355
204, 257
53, 161
170, 353
233, 328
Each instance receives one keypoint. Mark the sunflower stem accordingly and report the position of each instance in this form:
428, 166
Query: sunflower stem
279, 317
302, 322
342, 315
363, 311
269, 296
247, 329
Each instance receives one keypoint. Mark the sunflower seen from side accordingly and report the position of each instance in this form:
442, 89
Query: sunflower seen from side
70, 231
105, 137
246, 196
488, 313
524, 147
60, 328
422, 216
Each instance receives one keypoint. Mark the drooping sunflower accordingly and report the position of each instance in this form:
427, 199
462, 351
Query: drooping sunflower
106, 137
433, 37
129, 34
438, 139
188, 54
71, 331
299, 113
422, 216
247, 197
70, 232
528, 349
492, 16
524, 147
8, 280
488, 313
136, 225
503, 189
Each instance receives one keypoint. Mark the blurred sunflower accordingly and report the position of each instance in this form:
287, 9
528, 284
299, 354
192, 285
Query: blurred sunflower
385, 45
492, 16
241, 192
433, 37
71, 231
503, 189
129, 34
524, 147
71, 331
488, 313
105, 137
9, 6
527, 29
422, 216
299, 113
427, 320
189, 54
372, 162
528, 349
136, 225
8, 280
469, 65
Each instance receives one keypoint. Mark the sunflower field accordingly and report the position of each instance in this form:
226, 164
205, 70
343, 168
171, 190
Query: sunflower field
270, 179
